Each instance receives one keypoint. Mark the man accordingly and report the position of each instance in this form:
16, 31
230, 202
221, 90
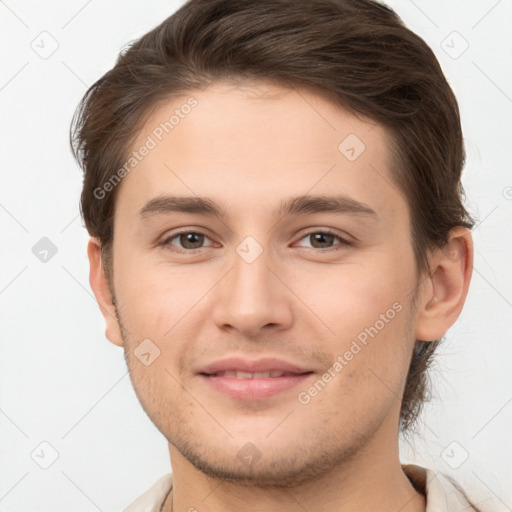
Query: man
278, 242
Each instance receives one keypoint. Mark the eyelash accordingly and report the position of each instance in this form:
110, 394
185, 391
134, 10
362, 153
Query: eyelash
345, 243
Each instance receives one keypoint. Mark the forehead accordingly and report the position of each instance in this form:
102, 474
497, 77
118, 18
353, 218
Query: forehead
252, 145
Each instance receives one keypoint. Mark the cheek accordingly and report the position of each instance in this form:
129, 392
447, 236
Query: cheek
368, 308
156, 298
354, 297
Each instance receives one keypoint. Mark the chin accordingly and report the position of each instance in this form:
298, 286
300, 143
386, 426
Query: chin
264, 466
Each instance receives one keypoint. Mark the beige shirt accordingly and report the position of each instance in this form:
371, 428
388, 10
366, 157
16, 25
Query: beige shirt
441, 493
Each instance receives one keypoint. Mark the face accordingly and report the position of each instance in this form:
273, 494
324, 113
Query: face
264, 277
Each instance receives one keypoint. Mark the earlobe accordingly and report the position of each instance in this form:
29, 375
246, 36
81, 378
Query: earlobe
100, 286
445, 290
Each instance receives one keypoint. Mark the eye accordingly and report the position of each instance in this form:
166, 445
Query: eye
188, 240
324, 239
192, 241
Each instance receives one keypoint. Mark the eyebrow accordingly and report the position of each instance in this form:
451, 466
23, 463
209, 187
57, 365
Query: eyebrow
299, 205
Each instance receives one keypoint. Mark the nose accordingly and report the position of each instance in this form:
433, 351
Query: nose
253, 297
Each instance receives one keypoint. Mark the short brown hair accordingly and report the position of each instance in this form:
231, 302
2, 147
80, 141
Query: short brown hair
358, 52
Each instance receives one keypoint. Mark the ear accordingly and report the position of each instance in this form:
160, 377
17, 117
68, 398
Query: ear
99, 284
444, 291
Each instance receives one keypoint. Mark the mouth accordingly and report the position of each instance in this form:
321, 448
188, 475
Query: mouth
233, 374
253, 380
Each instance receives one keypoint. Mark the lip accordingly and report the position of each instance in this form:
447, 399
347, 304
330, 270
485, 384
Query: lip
253, 388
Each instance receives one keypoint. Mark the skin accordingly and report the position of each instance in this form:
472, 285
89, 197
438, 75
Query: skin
249, 147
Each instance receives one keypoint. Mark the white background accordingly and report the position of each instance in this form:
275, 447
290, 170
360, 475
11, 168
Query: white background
62, 382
